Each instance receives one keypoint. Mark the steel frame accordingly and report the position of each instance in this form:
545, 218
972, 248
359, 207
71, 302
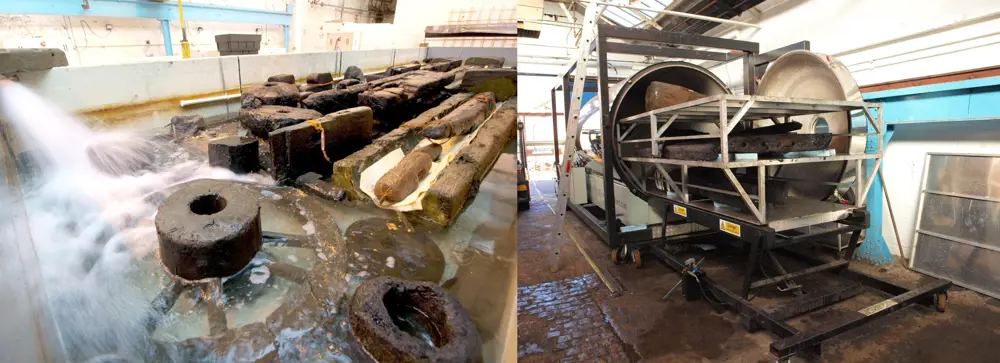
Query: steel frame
764, 241
758, 234
656, 43
716, 110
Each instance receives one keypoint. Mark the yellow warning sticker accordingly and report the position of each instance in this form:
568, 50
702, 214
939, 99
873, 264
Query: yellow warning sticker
877, 307
729, 227
681, 211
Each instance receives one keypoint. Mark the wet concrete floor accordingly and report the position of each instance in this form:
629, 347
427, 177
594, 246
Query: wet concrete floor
649, 329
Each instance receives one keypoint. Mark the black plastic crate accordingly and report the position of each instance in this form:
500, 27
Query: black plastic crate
238, 44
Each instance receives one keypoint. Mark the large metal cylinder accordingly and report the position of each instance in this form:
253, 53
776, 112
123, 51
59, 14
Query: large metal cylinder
797, 74
631, 100
804, 74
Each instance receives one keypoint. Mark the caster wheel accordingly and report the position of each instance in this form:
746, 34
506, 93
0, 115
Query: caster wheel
637, 258
619, 255
941, 301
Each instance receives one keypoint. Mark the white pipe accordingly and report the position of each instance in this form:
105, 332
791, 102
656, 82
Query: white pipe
569, 14
675, 13
870, 61
553, 23
566, 60
520, 43
920, 34
198, 101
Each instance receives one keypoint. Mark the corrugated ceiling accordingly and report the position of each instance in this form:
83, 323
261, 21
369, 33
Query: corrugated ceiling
629, 18
725, 9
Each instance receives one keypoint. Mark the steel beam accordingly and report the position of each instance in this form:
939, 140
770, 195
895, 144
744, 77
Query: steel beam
651, 35
147, 9
608, 138
287, 30
813, 236
168, 44
808, 340
814, 300
638, 49
773, 54
755, 316
797, 274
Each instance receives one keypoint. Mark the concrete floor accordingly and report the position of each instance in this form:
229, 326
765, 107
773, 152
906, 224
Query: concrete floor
556, 321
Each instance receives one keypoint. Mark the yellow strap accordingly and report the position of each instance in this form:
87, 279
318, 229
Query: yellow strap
322, 137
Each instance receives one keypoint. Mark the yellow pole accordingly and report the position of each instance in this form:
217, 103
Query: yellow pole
185, 46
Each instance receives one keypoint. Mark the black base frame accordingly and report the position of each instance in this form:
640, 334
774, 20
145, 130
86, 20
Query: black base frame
759, 240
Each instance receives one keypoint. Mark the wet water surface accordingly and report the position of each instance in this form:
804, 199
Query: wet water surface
110, 296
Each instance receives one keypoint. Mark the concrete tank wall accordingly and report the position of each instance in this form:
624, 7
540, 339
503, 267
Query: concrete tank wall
144, 96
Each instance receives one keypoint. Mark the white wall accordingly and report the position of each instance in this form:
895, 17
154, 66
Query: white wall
840, 28
153, 90
313, 20
372, 36
86, 41
413, 16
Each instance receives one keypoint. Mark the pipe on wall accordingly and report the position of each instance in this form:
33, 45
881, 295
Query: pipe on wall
168, 45
921, 34
287, 29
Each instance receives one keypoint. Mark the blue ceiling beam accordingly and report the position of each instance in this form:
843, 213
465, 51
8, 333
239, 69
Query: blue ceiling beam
146, 9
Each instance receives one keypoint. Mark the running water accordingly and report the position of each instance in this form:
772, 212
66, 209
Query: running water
90, 208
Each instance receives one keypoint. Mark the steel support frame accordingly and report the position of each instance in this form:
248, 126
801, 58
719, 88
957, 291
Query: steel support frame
726, 126
762, 60
792, 341
667, 42
168, 43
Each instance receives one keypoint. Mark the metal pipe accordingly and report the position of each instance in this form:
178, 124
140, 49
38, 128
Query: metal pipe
287, 29
185, 46
924, 33
520, 43
549, 22
559, 62
569, 14
927, 48
341, 7
199, 101
674, 13
892, 218
168, 44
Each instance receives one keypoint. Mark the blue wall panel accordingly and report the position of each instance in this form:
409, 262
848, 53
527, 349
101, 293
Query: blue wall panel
970, 100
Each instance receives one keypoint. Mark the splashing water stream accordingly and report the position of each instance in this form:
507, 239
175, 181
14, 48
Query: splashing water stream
90, 210
90, 207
